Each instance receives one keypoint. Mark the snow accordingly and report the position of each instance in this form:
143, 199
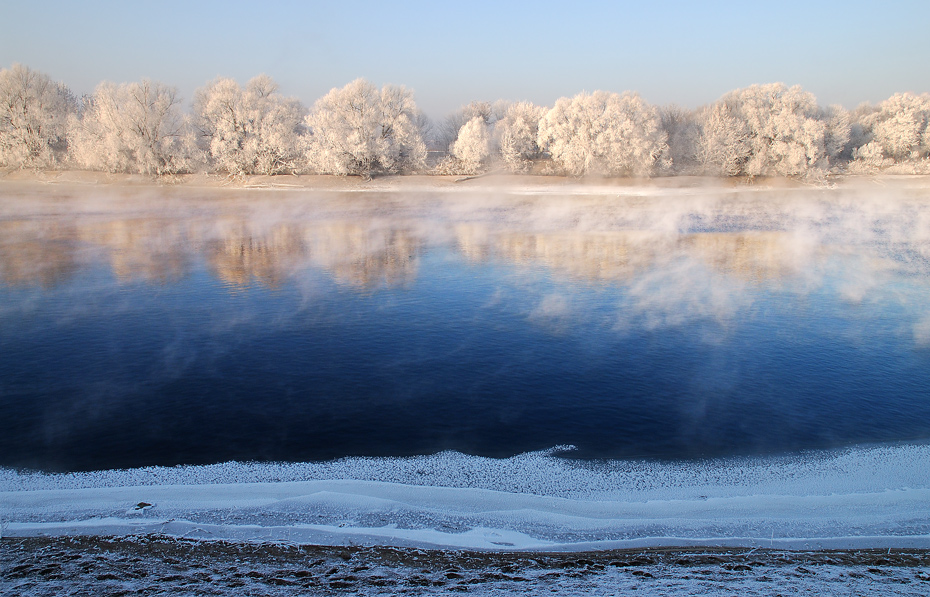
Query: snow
866, 497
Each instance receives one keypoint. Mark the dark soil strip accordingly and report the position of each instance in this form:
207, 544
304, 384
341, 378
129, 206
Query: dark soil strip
161, 564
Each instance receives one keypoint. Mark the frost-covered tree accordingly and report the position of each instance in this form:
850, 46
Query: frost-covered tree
402, 128
489, 112
603, 133
764, 130
360, 130
134, 128
837, 134
859, 135
896, 131
516, 135
900, 126
868, 158
472, 147
34, 114
723, 142
683, 133
249, 131
427, 128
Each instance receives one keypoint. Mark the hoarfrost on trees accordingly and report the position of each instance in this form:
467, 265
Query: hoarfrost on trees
34, 114
516, 134
489, 112
683, 134
359, 130
897, 131
135, 128
603, 133
249, 131
723, 143
838, 134
472, 148
767, 130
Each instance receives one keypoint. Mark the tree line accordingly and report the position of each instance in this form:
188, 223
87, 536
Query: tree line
359, 129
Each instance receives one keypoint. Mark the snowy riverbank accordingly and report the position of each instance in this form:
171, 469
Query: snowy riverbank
855, 498
849, 522
515, 183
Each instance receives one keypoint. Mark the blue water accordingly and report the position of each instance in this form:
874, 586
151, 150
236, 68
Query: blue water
290, 327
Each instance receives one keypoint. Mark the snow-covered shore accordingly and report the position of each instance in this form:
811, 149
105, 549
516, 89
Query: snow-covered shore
515, 183
843, 523
856, 498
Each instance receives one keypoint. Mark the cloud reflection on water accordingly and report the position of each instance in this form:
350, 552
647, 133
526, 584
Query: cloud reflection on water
704, 321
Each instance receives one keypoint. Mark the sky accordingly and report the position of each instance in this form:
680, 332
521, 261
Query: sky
687, 53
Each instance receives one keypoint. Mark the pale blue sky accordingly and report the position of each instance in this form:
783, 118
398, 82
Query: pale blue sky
688, 53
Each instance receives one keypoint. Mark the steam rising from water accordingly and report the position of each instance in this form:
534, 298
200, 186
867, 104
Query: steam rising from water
646, 321
679, 254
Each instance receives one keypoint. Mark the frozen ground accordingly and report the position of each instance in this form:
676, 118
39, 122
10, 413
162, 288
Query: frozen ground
155, 565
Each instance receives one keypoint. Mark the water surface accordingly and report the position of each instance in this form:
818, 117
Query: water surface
176, 326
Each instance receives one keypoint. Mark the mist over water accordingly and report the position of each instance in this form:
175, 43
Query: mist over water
179, 326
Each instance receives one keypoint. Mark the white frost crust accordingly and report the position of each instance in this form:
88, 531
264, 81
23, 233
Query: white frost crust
856, 498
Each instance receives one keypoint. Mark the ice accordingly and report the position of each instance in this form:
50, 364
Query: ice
859, 497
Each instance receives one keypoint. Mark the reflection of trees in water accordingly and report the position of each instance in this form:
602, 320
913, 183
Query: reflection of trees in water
241, 255
365, 256
153, 251
368, 252
473, 242
354, 254
370, 256
237, 251
750, 256
143, 249
36, 255
596, 256
620, 255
